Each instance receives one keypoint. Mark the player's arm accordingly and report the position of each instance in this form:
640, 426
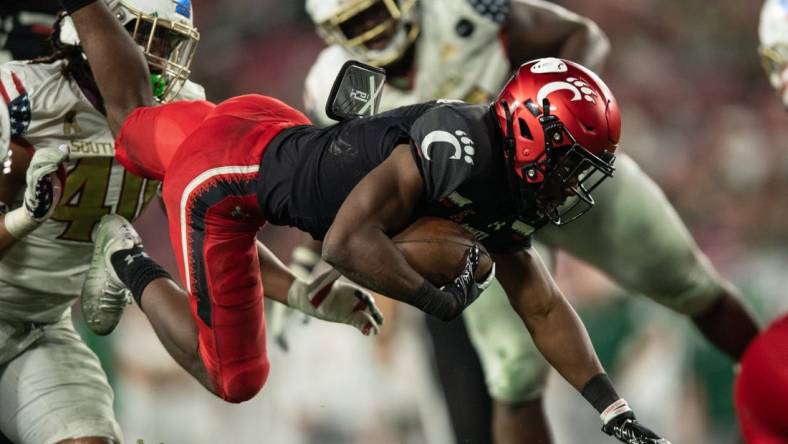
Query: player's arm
555, 327
10, 185
116, 62
537, 28
359, 246
322, 297
563, 340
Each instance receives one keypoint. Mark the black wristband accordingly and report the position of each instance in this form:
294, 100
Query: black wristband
431, 300
72, 6
599, 392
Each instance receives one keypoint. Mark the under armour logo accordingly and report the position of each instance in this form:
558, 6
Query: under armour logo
129, 259
495, 226
239, 213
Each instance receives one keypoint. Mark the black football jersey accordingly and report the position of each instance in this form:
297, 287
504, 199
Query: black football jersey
307, 172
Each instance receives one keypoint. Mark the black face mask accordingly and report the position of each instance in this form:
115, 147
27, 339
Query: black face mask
570, 174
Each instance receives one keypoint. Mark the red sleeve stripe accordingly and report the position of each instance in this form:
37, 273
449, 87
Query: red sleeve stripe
18, 84
3, 92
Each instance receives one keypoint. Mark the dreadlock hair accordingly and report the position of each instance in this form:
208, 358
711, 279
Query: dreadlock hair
76, 64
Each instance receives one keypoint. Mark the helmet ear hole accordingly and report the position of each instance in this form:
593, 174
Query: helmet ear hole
587, 128
524, 130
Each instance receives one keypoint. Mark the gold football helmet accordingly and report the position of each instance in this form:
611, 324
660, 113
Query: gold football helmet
377, 32
165, 32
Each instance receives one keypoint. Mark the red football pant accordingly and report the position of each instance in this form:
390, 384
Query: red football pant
762, 387
210, 194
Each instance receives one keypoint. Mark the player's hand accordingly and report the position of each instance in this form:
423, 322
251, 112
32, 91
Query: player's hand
43, 187
42, 193
628, 430
281, 317
464, 287
329, 300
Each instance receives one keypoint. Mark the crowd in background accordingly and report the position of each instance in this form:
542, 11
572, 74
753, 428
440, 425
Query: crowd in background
698, 116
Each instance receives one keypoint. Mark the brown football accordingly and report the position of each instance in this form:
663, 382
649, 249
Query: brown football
436, 248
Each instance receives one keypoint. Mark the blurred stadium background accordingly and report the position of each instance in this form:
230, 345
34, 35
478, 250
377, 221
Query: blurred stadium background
700, 118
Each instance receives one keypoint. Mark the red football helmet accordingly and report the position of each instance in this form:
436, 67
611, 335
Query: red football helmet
561, 125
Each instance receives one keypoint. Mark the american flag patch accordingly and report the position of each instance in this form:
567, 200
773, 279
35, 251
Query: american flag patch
18, 107
19, 112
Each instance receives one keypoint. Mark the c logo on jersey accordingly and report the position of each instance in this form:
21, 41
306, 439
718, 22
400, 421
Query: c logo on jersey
579, 89
464, 150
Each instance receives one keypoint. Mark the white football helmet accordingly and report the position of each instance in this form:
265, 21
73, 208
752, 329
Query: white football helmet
5, 140
377, 32
773, 35
165, 31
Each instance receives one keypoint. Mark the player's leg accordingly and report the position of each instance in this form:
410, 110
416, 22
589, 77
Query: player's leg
63, 396
211, 200
215, 329
635, 236
762, 387
120, 269
461, 380
213, 218
515, 371
151, 136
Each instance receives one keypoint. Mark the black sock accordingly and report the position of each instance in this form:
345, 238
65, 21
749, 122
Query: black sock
136, 270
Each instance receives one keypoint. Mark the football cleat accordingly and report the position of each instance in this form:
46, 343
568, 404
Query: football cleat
104, 296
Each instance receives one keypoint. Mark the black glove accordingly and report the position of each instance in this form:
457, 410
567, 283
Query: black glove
464, 288
627, 429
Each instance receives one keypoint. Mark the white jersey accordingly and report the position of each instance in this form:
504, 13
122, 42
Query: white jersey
459, 55
41, 274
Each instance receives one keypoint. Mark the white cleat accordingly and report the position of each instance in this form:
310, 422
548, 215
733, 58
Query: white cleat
104, 296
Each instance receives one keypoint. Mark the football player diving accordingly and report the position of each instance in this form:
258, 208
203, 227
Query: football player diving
466, 49
253, 159
54, 116
762, 384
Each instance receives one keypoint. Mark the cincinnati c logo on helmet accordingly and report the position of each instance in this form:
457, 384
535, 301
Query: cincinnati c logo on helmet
463, 145
579, 88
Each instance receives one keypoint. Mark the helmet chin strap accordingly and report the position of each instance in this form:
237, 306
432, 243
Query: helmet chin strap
551, 127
